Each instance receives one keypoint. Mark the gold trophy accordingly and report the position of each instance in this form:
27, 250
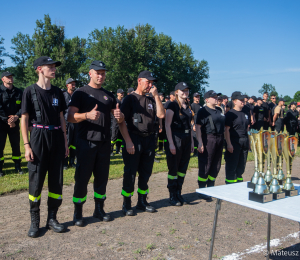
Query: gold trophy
266, 138
253, 140
260, 153
274, 187
289, 151
279, 144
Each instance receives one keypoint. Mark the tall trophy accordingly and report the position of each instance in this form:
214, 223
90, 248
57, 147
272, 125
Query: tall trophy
253, 140
289, 151
260, 152
279, 150
266, 139
274, 186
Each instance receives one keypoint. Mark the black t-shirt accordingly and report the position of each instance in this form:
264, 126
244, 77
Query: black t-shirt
183, 121
51, 103
195, 107
238, 122
217, 117
140, 113
167, 103
85, 99
245, 109
266, 106
291, 118
260, 113
67, 97
251, 106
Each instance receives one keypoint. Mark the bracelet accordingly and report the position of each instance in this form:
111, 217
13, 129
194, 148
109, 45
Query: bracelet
27, 143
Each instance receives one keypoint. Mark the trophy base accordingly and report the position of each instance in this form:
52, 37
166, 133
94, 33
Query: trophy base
290, 193
278, 196
250, 185
262, 198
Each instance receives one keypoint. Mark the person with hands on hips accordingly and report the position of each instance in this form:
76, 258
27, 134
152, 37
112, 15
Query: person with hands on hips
91, 107
210, 125
237, 141
138, 131
180, 143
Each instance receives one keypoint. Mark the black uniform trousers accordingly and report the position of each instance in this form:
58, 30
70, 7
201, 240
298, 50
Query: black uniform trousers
116, 137
72, 130
209, 161
195, 142
141, 161
92, 157
14, 139
161, 140
236, 161
279, 125
179, 162
48, 147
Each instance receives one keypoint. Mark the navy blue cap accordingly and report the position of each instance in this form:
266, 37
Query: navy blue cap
98, 65
120, 90
45, 60
6, 74
181, 86
211, 93
147, 75
237, 95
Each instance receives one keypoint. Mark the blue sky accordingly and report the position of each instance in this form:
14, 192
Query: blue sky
246, 43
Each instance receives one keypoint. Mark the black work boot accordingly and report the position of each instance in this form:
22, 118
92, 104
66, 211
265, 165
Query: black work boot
72, 162
77, 218
180, 198
66, 160
126, 208
52, 222
142, 204
173, 199
99, 212
18, 168
35, 224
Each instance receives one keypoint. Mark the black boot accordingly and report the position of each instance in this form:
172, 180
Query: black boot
180, 198
126, 208
77, 218
173, 199
99, 212
142, 204
72, 162
35, 224
18, 168
52, 222
65, 167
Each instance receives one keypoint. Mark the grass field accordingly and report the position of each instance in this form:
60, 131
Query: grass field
14, 182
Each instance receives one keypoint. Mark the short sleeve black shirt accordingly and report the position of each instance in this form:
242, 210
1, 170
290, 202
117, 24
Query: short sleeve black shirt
218, 119
195, 107
85, 99
51, 103
167, 103
245, 109
238, 122
143, 106
260, 113
266, 106
182, 117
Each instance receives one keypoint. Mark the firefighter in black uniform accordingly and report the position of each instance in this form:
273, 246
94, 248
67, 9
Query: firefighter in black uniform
265, 104
161, 130
250, 104
91, 107
210, 133
71, 128
272, 106
291, 119
116, 136
139, 140
179, 143
260, 114
43, 104
278, 118
237, 141
10, 112
129, 91
195, 106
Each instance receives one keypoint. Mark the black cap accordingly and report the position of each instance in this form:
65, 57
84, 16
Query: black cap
172, 93
44, 60
246, 96
181, 86
237, 95
196, 94
224, 97
259, 98
281, 99
211, 93
6, 74
147, 75
167, 97
120, 90
70, 80
293, 103
161, 94
98, 65
254, 98
130, 90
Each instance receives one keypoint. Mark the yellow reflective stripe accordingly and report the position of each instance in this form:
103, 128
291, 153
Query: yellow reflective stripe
18, 102
119, 140
211, 178
34, 199
112, 142
240, 179
126, 194
99, 196
2, 159
172, 177
230, 180
160, 141
55, 196
180, 174
72, 147
202, 179
143, 191
16, 157
79, 200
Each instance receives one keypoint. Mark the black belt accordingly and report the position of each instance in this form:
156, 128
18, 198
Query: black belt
141, 134
181, 131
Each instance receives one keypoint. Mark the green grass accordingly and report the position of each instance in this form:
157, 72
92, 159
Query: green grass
14, 182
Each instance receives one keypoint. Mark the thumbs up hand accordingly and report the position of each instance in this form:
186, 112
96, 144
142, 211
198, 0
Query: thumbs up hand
118, 114
93, 114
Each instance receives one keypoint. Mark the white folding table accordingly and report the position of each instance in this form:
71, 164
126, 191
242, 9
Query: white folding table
238, 193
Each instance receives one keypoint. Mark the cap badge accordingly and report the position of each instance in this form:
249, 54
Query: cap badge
101, 64
151, 75
105, 97
49, 59
183, 84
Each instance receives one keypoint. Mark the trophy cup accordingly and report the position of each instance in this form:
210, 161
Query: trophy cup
279, 150
261, 192
256, 175
274, 185
260, 153
289, 151
266, 138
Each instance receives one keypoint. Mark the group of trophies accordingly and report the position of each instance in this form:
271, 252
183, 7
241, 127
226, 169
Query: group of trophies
273, 146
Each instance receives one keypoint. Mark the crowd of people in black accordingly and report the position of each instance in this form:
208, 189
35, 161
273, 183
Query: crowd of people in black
85, 124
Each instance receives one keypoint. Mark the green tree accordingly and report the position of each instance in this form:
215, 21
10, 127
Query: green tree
268, 88
287, 98
2, 53
297, 97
